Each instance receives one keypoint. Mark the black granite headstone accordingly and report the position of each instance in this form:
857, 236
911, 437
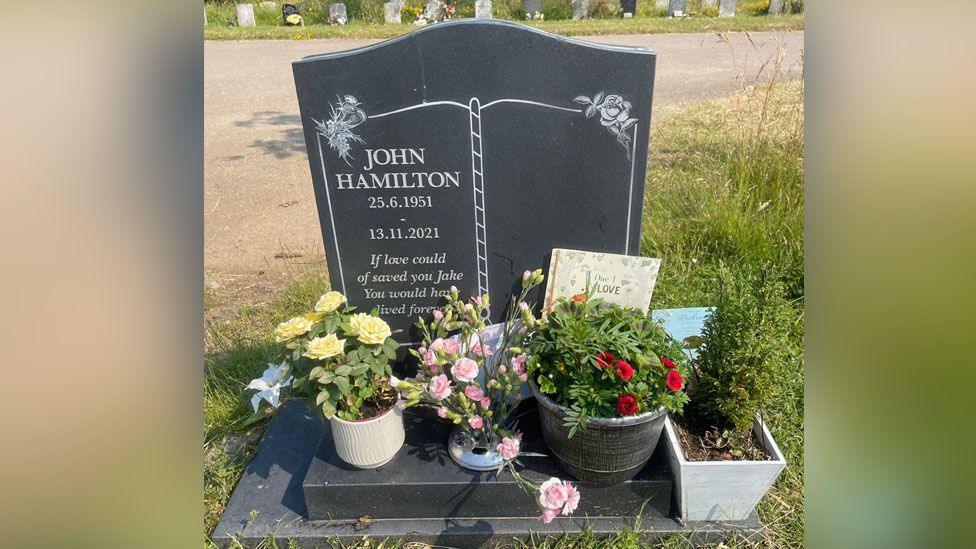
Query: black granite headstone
463, 153
288, 9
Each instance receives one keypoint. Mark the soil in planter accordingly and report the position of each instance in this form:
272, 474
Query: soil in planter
377, 404
705, 443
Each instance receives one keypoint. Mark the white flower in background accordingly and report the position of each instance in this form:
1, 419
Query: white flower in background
269, 385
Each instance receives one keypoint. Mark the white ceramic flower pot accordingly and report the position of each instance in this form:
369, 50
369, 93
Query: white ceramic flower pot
722, 490
370, 443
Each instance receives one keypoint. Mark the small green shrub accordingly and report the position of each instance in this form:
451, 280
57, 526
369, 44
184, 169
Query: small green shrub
557, 9
463, 9
744, 343
508, 9
605, 9
269, 17
793, 6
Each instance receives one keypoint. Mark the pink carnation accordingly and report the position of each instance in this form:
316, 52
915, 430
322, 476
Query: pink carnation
442, 412
572, 499
465, 370
437, 344
548, 515
430, 359
438, 315
509, 448
486, 403
478, 347
452, 347
474, 392
553, 494
475, 422
440, 387
518, 363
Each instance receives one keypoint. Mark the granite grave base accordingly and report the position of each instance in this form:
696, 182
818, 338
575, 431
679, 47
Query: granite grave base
296, 488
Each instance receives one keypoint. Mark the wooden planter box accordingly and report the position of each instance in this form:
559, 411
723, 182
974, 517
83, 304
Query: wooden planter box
721, 490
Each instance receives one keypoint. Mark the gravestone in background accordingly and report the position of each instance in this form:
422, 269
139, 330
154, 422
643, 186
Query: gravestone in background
580, 9
708, 3
628, 7
245, 15
676, 6
482, 9
661, 4
286, 10
775, 7
461, 154
434, 10
532, 6
267, 5
726, 8
337, 13
391, 13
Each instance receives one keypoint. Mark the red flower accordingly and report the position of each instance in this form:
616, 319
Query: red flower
626, 405
624, 370
667, 362
673, 380
605, 359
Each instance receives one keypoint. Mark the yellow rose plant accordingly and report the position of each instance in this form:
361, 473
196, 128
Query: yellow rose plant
339, 359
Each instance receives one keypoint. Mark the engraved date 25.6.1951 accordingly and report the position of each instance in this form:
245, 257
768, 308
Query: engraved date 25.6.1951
401, 202
408, 233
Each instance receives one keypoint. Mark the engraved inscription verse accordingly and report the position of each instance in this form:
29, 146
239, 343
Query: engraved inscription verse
406, 258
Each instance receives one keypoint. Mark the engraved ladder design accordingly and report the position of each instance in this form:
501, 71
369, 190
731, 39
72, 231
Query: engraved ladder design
477, 170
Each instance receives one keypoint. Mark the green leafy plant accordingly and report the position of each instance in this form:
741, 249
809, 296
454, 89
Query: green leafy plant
605, 9
743, 343
602, 360
336, 358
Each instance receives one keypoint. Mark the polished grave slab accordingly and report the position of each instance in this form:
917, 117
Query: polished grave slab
295, 488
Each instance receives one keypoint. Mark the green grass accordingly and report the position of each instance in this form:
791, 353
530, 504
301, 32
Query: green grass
218, 30
725, 182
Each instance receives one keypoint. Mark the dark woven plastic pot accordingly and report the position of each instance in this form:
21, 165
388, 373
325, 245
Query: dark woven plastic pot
609, 451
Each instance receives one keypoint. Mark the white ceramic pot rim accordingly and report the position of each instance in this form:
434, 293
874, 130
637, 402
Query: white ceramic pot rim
365, 421
597, 421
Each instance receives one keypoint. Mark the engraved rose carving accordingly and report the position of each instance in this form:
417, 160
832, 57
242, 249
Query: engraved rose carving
614, 110
614, 115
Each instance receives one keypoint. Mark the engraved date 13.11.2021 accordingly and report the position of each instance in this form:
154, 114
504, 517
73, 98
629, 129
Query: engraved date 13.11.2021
404, 233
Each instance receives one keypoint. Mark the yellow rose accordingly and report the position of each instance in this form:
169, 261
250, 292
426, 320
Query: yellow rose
292, 328
314, 317
329, 302
373, 331
356, 321
325, 347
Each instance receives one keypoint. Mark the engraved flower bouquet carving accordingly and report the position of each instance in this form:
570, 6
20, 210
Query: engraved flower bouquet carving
614, 114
